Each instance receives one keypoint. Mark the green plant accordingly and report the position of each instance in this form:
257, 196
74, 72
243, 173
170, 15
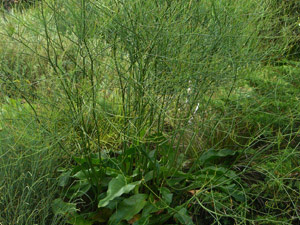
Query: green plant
27, 168
155, 112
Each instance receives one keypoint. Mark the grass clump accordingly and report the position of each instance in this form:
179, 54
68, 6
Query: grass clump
149, 112
28, 164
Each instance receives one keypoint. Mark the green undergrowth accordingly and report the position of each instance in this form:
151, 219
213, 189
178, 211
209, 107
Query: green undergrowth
28, 163
150, 112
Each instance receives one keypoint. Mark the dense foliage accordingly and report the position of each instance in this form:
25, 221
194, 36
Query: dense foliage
150, 112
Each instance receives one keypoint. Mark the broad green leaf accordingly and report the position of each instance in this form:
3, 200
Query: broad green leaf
112, 172
114, 203
238, 196
178, 179
219, 171
212, 155
64, 178
150, 208
148, 176
80, 160
82, 175
142, 221
233, 191
93, 158
79, 220
166, 195
60, 207
116, 188
159, 219
183, 217
86, 174
78, 189
128, 208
